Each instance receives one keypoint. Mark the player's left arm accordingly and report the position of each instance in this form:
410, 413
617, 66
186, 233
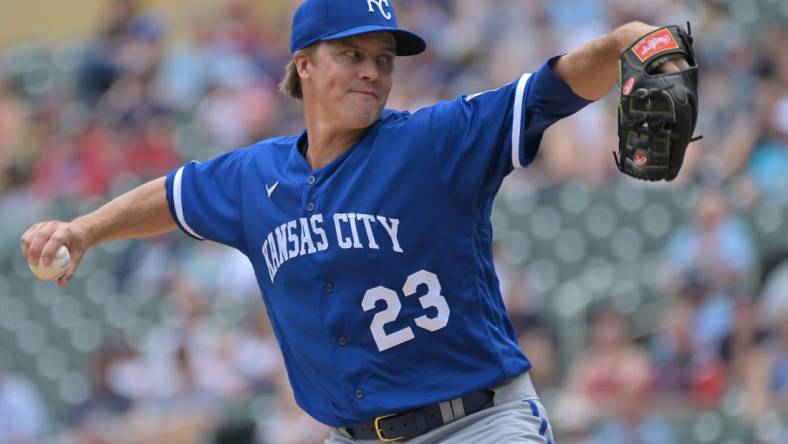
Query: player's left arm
591, 70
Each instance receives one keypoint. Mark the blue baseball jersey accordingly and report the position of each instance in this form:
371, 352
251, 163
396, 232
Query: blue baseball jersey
376, 269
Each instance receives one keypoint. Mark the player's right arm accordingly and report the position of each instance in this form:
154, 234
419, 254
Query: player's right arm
142, 212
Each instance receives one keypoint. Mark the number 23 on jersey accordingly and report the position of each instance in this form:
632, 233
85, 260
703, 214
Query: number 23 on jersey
433, 298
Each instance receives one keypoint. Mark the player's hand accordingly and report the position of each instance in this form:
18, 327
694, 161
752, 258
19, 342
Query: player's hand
674, 65
41, 241
634, 31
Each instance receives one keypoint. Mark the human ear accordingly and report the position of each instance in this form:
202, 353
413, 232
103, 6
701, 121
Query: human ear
302, 62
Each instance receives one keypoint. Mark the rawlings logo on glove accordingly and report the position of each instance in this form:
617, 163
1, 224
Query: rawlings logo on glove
657, 111
654, 43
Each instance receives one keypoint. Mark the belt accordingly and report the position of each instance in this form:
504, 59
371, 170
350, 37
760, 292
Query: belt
411, 423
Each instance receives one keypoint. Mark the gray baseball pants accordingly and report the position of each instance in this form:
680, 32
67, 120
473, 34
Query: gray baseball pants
517, 417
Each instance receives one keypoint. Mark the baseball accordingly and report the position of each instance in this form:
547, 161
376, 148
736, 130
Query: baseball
54, 270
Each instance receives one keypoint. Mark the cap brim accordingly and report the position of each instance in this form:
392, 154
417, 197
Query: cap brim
408, 43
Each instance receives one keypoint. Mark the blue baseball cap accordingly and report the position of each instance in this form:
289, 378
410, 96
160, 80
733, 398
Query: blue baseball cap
318, 20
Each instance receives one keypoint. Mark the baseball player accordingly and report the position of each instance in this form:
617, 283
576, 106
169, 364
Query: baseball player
370, 233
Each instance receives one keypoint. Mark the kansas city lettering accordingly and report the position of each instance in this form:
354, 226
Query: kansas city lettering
304, 236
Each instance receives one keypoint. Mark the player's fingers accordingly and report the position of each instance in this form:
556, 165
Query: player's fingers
55, 241
69, 274
29, 236
26, 239
38, 238
76, 258
674, 65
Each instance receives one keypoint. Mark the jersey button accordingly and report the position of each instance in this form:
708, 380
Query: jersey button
310, 206
328, 287
342, 341
311, 180
359, 393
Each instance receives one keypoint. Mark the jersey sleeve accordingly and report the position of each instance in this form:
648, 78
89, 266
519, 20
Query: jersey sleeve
481, 138
205, 199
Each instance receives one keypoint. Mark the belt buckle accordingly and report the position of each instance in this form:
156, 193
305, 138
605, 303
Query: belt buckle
379, 431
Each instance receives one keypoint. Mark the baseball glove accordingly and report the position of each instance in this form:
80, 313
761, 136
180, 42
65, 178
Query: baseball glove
657, 111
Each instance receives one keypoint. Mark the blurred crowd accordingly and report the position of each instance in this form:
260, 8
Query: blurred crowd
133, 102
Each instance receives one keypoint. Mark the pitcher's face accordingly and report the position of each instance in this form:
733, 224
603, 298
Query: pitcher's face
349, 80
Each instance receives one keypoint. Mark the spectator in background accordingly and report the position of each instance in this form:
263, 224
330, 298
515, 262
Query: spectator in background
744, 354
22, 415
185, 67
715, 250
14, 132
188, 358
636, 424
777, 356
774, 293
287, 423
769, 159
684, 379
608, 378
256, 353
671, 350
227, 114
128, 43
148, 146
104, 403
539, 342
516, 294
526, 313
709, 262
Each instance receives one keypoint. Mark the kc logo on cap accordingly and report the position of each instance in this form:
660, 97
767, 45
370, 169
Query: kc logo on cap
379, 4
320, 20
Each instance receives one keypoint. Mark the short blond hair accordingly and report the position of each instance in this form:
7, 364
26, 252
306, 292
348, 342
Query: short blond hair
291, 83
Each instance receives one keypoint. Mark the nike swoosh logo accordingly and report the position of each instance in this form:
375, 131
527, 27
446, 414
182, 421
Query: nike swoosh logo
270, 191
